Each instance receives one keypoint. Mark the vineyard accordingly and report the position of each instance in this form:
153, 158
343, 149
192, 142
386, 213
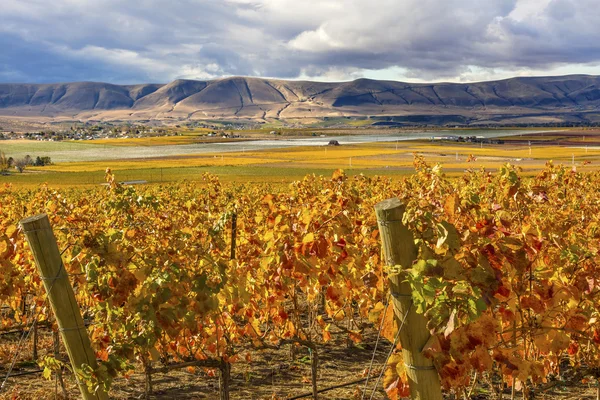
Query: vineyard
211, 276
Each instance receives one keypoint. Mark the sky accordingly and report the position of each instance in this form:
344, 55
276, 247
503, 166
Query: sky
143, 41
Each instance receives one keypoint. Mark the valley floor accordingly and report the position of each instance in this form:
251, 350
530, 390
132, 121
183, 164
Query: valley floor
168, 161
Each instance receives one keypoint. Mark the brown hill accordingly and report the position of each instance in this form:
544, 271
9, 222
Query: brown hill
531, 99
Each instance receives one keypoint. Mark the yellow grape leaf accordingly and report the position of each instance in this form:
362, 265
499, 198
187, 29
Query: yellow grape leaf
111, 231
306, 217
375, 313
326, 335
320, 321
256, 326
52, 207
3, 246
390, 326
391, 378
450, 205
338, 174
10, 231
309, 238
483, 330
268, 199
339, 315
291, 328
140, 274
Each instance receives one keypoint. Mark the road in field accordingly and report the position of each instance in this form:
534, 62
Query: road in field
88, 151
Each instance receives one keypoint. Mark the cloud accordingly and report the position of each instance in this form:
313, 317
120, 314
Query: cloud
160, 40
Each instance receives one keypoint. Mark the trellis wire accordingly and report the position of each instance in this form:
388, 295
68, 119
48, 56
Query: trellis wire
391, 350
25, 337
375, 349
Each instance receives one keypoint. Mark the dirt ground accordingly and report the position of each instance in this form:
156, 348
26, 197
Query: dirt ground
272, 375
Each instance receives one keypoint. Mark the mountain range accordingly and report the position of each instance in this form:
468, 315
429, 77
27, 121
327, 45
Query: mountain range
573, 98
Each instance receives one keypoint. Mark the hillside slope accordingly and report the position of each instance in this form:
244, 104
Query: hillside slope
524, 99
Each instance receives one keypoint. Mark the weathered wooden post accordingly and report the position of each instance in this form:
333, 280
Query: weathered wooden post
399, 249
62, 298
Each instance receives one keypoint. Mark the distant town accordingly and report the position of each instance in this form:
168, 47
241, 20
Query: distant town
109, 131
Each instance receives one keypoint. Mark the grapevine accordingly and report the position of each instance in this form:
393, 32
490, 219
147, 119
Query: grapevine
506, 273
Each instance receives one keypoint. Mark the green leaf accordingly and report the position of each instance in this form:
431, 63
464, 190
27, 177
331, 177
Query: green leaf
453, 269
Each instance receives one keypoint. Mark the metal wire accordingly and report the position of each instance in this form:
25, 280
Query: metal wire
25, 337
375, 349
391, 350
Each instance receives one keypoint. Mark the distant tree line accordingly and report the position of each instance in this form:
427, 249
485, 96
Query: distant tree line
20, 164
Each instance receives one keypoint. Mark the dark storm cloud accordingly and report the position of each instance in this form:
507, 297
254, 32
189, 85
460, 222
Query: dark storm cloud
22, 61
159, 40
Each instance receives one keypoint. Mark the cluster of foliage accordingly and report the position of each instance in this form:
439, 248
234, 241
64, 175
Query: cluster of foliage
152, 268
20, 164
506, 273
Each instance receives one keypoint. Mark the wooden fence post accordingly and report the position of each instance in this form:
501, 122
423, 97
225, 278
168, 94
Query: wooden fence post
62, 298
399, 249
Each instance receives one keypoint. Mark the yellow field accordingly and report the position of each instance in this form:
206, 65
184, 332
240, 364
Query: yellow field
167, 162
315, 157
286, 164
364, 156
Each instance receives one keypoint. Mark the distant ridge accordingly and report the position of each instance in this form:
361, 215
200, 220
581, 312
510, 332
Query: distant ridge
574, 98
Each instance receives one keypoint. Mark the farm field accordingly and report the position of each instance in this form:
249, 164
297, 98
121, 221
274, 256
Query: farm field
160, 160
